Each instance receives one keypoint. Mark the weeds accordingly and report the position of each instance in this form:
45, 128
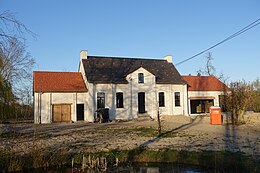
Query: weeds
101, 161
146, 132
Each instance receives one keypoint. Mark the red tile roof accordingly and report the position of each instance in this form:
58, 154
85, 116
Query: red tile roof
204, 83
58, 81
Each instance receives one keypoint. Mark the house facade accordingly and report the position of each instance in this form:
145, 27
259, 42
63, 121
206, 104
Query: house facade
128, 87
131, 87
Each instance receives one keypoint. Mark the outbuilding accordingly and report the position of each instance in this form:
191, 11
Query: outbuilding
59, 97
203, 92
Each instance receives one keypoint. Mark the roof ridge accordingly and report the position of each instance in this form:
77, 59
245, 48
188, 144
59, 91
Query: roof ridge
55, 71
133, 58
197, 76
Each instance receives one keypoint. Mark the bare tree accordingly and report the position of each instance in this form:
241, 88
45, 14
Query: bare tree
15, 63
209, 69
238, 100
256, 84
159, 122
11, 28
256, 87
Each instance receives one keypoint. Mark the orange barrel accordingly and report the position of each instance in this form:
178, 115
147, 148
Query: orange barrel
215, 115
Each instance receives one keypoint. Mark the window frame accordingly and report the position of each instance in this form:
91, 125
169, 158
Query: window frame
177, 99
161, 99
119, 100
140, 77
101, 100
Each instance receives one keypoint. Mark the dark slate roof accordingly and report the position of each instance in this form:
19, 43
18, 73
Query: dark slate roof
114, 70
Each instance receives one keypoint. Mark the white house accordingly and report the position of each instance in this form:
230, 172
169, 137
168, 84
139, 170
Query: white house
128, 87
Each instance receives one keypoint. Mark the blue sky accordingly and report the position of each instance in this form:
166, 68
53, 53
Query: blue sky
142, 28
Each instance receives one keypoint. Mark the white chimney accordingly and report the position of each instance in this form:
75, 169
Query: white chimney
168, 58
83, 54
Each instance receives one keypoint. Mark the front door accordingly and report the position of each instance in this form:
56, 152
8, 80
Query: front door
141, 102
80, 112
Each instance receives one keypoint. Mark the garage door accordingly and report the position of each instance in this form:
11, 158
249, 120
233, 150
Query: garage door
201, 106
61, 112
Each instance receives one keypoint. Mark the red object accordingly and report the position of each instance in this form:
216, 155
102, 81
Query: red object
204, 83
44, 81
215, 115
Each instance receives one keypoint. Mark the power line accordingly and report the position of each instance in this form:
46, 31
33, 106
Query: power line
246, 28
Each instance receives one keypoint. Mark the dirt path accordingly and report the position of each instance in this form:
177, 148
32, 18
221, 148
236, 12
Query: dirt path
179, 133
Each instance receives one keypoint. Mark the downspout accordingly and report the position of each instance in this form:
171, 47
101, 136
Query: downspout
76, 112
172, 99
94, 102
188, 102
156, 99
156, 103
34, 106
50, 107
40, 107
131, 101
183, 101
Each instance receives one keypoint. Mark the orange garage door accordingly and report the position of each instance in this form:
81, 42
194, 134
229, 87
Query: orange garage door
61, 113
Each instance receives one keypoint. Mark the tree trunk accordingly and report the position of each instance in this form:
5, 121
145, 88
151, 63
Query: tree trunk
240, 117
159, 123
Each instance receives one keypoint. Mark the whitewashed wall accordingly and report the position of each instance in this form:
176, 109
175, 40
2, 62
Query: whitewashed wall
130, 93
170, 108
43, 104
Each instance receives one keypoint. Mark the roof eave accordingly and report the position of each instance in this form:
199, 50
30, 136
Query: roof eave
36, 91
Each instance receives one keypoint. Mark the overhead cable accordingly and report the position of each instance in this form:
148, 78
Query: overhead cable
246, 28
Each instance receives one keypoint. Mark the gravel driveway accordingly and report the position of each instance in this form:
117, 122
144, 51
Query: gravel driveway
178, 132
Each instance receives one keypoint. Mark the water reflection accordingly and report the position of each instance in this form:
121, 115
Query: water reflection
155, 168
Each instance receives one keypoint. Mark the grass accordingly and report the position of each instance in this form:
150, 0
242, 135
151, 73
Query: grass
14, 134
221, 160
151, 132
11, 134
146, 132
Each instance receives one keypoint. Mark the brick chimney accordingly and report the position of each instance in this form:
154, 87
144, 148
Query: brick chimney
168, 58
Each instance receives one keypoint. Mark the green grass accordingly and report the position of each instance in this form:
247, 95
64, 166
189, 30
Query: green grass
146, 132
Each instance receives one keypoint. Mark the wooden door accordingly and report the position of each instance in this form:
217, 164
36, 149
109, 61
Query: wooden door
56, 113
141, 102
61, 112
65, 113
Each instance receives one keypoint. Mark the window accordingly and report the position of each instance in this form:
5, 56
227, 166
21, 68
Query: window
140, 78
161, 99
177, 99
100, 100
119, 100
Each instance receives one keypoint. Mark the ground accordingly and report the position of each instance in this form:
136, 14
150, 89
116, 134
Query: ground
178, 132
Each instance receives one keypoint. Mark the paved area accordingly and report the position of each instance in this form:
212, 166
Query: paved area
178, 132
